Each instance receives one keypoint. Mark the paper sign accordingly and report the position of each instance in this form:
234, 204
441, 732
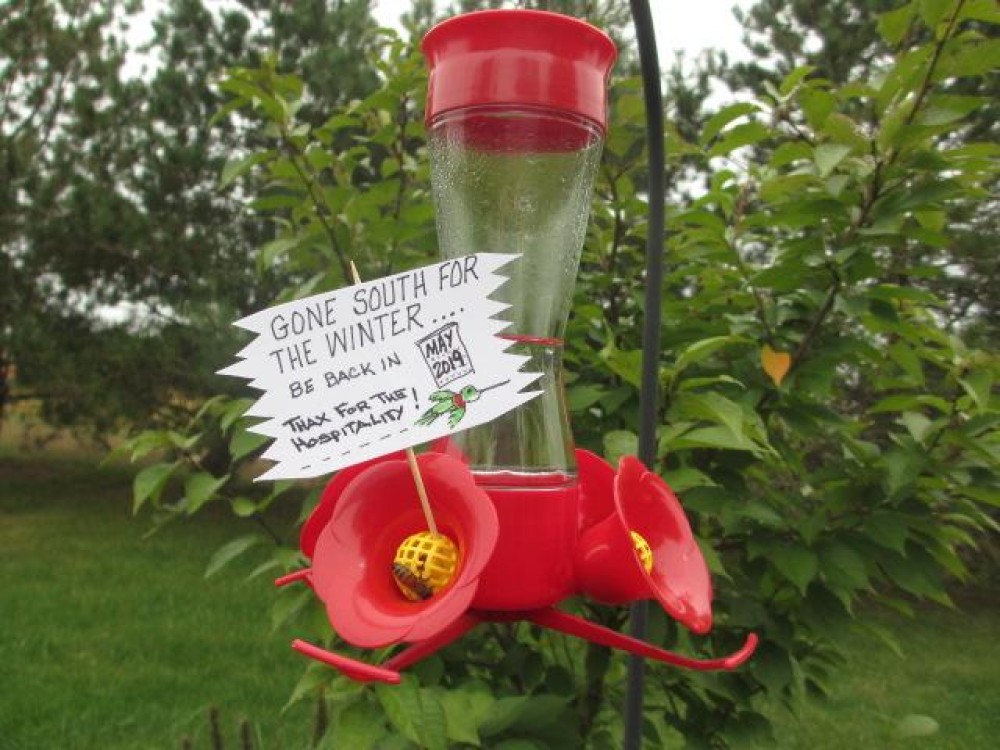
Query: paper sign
369, 369
445, 354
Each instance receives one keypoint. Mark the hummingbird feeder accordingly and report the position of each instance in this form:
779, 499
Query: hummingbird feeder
516, 118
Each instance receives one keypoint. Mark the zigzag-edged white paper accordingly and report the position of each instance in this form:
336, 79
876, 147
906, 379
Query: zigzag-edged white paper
376, 367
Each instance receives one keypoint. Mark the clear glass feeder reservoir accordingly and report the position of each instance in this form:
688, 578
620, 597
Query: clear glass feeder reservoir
519, 181
516, 118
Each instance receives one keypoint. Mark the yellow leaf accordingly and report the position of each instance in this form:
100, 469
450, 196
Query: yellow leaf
775, 364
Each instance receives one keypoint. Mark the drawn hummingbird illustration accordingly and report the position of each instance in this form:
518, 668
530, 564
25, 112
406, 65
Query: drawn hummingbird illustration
453, 404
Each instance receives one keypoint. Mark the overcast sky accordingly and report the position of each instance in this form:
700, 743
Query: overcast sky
680, 24
688, 27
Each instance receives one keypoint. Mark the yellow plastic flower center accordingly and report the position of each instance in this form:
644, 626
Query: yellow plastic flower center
424, 564
644, 551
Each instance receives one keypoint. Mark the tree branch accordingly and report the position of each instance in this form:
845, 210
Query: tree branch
925, 85
738, 215
312, 188
875, 190
399, 152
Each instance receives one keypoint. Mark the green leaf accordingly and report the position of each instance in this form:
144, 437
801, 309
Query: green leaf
916, 725
798, 564
543, 710
275, 249
842, 129
913, 577
710, 407
745, 134
234, 168
933, 220
199, 488
433, 724
902, 469
978, 385
788, 275
818, 106
928, 194
829, 155
748, 729
265, 567
244, 442
685, 478
779, 188
184, 442
691, 384
762, 513
790, 152
503, 714
986, 495
723, 117
883, 635
625, 364
233, 411
971, 60
227, 109
701, 350
793, 79
934, 116
888, 529
630, 107
149, 483
907, 359
903, 402
243, 507
524, 713
917, 424
981, 10
843, 567
932, 11
712, 559
289, 602
712, 437
773, 668
836, 184
358, 726
311, 681
809, 213
893, 25
417, 713
147, 442
465, 707
582, 397
618, 443
230, 551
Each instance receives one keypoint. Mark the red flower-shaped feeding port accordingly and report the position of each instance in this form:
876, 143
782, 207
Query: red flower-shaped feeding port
366, 511
323, 511
375, 512
609, 568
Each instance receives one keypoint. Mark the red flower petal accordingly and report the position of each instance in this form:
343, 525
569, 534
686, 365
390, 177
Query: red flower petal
376, 511
680, 577
323, 511
597, 488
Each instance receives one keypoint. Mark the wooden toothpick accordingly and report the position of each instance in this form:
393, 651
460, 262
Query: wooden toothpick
425, 504
411, 458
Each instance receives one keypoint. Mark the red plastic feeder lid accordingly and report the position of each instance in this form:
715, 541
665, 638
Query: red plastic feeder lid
527, 58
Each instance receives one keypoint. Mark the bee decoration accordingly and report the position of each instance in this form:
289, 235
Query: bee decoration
412, 584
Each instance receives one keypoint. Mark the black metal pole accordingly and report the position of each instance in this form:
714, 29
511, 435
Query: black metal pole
648, 394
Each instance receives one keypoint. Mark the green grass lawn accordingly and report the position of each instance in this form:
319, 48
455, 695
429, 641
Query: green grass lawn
950, 672
112, 641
